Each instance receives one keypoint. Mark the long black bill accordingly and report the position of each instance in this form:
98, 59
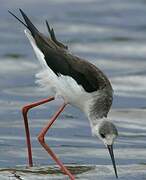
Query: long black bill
110, 148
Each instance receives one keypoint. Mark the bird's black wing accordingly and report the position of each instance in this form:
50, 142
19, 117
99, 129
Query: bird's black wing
62, 62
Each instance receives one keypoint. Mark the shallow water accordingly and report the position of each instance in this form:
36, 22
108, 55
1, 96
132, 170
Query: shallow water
110, 34
83, 172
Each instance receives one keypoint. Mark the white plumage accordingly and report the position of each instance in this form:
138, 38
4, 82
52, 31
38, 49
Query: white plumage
63, 86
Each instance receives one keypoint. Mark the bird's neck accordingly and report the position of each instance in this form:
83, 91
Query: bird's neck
96, 106
99, 105
95, 123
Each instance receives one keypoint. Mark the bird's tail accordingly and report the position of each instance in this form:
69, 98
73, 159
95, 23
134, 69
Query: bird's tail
28, 24
34, 31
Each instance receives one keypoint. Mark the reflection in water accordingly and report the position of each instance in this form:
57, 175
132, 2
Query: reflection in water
49, 170
84, 172
13, 56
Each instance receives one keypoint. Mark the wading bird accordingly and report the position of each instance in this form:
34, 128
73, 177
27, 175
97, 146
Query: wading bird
77, 81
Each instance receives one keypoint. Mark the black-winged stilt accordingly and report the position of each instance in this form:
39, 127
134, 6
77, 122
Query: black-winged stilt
77, 81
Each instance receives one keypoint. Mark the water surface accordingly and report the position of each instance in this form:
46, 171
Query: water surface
111, 35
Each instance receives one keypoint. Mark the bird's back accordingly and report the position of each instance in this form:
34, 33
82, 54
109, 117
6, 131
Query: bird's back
78, 81
69, 75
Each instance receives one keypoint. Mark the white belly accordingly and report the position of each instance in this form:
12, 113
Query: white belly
65, 87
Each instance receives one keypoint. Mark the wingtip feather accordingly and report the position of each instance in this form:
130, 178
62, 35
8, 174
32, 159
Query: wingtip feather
18, 19
30, 25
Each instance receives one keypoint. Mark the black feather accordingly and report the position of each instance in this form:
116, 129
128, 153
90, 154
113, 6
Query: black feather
62, 62
18, 19
30, 26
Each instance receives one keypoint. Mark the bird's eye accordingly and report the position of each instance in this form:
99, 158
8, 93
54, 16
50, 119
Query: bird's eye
102, 135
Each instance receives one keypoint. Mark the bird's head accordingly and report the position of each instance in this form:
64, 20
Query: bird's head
107, 132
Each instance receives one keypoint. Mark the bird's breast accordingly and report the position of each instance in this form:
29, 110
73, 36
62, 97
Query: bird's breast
96, 103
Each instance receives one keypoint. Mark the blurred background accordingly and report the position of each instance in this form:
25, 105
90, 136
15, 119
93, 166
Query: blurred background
109, 33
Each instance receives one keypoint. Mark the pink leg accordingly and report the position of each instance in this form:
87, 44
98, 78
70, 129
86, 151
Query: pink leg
25, 110
47, 148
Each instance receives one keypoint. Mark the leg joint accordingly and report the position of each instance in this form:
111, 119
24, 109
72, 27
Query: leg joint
41, 138
25, 109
